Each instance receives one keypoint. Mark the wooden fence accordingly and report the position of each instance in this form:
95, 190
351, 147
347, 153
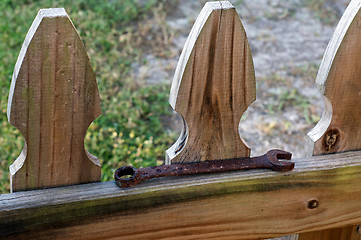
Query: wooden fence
54, 98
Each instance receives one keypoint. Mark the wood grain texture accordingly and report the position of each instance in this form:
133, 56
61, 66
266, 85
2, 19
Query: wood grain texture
214, 83
254, 204
339, 79
53, 100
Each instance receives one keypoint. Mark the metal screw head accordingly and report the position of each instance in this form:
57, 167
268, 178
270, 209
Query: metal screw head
312, 204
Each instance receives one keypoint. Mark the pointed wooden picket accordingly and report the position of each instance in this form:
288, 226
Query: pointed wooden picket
53, 100
339, 79
214, 83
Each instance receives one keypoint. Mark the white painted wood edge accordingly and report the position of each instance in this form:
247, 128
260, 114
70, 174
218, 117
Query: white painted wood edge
201, 20
17, 165
335, 42
321, 80
43, 13
178, 146
322, 125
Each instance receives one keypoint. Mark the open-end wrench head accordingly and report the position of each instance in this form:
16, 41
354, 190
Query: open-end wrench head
277, 159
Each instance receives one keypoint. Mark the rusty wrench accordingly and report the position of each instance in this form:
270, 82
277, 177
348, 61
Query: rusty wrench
270, 160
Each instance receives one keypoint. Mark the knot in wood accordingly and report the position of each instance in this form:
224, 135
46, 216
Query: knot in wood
331, 139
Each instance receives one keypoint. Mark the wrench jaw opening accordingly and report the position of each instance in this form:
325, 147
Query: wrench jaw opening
122, 181
277, 159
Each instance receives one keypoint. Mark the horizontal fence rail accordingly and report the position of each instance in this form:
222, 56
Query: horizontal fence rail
239, 205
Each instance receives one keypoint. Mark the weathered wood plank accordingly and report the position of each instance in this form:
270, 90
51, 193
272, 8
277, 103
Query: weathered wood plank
53, 99
339, 80
239, 205
213, 85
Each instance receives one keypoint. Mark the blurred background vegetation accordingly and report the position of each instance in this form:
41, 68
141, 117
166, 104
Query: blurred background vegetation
131, 130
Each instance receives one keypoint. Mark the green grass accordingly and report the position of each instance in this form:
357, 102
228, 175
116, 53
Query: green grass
130, 131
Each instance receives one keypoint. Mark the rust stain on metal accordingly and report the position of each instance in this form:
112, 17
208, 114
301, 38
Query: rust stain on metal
270, 160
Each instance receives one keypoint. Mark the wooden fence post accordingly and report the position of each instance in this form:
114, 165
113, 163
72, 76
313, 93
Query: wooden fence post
339, 79
214, 83
53, 100
213, 86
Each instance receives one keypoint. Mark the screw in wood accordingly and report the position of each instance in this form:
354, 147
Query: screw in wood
312, 204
